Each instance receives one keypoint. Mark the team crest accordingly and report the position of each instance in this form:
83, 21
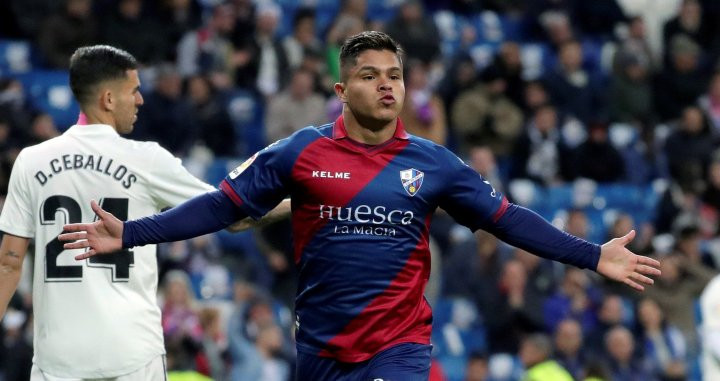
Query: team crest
412, 180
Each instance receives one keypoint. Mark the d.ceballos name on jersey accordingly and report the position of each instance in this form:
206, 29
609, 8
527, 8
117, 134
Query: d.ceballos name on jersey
366, 220
95, 163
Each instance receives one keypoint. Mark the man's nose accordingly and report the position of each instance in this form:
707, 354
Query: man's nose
385, 87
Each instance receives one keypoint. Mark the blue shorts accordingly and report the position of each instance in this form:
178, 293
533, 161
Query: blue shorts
403, 362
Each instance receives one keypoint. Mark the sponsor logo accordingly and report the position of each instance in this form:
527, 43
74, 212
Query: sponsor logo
331, 175
411, 180
366, 220
364, 214
242, 167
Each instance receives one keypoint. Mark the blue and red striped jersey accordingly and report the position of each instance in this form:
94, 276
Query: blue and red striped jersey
360, 217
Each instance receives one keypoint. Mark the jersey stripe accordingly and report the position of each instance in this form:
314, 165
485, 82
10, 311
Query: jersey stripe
364, 170
404, 297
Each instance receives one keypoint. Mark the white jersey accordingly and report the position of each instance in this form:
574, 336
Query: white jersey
98, 317
710, 331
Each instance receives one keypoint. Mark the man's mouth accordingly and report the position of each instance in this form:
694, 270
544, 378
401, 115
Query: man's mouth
387, 99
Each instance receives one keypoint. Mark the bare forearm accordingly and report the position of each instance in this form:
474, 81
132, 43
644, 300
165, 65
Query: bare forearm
12, 253
282, 211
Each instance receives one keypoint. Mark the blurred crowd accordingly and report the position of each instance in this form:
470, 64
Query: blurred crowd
546, 97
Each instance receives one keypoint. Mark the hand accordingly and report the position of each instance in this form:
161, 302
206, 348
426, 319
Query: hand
103, 236
620, 264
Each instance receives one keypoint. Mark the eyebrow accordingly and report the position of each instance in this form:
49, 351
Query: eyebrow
376, 70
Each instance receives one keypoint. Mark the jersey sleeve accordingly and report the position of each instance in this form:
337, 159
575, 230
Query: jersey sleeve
468, 197
172, 183
17, 215
262, 181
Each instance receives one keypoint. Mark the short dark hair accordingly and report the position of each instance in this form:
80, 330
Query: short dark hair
368, 40
92, 65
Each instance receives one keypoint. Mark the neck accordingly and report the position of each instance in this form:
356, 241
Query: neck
97, 117
368, 131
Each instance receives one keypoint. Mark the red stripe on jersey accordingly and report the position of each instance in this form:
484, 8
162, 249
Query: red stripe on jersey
399, 315
331, 173
230, 192
501, 210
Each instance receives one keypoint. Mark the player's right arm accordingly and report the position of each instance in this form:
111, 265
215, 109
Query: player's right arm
253, 189
12, 254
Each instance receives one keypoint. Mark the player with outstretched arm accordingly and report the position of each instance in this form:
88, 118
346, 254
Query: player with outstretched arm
97, 318
363, 192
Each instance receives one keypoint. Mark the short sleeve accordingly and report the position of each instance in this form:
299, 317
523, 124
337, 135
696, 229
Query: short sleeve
17, 215
262, 181
468, 197
172, 184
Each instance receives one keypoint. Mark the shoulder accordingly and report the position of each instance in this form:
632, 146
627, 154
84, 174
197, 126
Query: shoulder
439, 151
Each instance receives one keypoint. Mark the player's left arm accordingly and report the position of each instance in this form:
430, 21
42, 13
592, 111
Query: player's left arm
473, 202
12, 254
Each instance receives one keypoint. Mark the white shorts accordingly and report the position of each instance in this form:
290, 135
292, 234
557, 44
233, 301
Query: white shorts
153, 371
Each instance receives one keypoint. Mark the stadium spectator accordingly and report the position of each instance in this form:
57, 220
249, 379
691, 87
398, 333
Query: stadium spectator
303, 37
709, 102
294, 108
679, 285
512, 313
663, 344
122, 25
689, 23
477, 367
623, 364
62, 33
540, 153
215, 128
575, 298
415, 32
167, 118
680, 82
610, 314
485, 115
689, 146
209, 48
509, 66
596, 158
175, 18
535, 355
630, 91
424, 112
575, 91
569, 352
264, 65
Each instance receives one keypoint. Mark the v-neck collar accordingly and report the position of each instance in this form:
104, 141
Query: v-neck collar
339, 133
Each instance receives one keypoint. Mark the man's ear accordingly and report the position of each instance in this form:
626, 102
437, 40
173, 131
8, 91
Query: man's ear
340, 91
107, 99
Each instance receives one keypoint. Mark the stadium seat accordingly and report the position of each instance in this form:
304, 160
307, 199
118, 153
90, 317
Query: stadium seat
457, 333
16, 57
247, 113
49, 91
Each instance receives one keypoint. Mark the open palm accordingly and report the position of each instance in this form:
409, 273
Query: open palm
620, 264
103, 236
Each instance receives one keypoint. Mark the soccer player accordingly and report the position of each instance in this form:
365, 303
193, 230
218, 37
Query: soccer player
97, 318
363, 192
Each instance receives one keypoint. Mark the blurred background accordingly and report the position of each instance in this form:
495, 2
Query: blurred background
603, 116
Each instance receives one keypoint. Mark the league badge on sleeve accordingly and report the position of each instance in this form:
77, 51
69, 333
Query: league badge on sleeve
411, 180
242, 167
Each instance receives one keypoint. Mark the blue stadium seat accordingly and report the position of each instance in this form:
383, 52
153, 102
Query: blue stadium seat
16, 57
457, 333
382, 10
247, 113
49, 91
